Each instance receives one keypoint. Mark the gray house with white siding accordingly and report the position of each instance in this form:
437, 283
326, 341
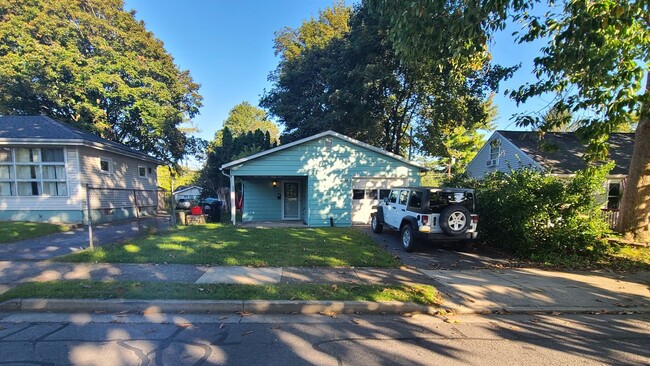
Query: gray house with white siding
45, 167
560, 154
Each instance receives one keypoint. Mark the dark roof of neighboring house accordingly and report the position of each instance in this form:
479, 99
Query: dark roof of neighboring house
563, 152
35, 129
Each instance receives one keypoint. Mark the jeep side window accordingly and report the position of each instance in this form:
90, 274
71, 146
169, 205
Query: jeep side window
393, 197
416, 199
403, 197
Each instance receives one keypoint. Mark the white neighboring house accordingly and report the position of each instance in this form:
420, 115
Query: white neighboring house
188, 193
45, 166
559, 153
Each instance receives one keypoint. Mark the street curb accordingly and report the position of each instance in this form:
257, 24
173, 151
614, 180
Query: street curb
556, 310
285, 307
217, 306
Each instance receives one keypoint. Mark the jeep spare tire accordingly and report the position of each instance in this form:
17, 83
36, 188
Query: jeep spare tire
454, 220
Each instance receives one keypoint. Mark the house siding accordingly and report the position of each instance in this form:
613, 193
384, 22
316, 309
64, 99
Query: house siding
329, 168
510, 158
114, 194
260, 200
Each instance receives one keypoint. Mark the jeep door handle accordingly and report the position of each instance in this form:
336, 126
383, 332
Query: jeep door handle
404, 210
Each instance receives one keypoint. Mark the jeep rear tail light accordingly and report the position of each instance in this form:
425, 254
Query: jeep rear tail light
475, 218
425, 219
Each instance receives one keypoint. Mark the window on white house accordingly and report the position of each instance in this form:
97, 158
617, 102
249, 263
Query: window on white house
7, 176
33, 172
106, 165
613, 195
142, 171
495, 149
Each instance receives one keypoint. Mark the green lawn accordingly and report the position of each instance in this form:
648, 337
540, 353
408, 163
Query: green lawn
422, 294
220, 244
11, 231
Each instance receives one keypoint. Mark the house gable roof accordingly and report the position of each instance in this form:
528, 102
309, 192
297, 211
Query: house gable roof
317, 136
185, 189
42, 130
566, 153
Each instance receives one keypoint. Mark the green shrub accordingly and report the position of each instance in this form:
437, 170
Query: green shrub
539, 217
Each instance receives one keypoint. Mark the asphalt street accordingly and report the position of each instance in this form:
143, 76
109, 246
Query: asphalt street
184, 339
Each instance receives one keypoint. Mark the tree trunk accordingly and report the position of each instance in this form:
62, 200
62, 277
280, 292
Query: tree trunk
634, 219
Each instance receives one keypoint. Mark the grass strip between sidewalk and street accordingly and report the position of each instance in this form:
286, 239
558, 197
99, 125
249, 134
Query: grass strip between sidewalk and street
11, 231
219, 244
85, 289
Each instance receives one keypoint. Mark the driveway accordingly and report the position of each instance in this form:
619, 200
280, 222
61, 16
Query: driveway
54, 245
482, 281
434, 256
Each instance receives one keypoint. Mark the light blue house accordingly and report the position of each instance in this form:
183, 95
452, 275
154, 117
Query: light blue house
322, 180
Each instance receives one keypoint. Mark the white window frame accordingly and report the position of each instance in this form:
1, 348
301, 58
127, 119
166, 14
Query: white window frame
494, 152
145, 172
608, 195
39, 166
12, 173
110, 165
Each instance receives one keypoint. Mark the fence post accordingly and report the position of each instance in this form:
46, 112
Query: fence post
137, 211
172, 205
90, 220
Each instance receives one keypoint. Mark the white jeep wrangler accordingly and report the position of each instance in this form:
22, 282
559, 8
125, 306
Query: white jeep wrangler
428, 213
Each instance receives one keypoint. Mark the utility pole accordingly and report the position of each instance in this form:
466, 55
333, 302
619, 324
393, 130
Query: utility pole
410, 142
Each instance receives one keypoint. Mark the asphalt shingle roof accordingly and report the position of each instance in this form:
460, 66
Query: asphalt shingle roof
46, 128
566, 153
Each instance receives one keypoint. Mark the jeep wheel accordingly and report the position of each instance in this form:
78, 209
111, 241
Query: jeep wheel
376, 226
454, 220
408, 241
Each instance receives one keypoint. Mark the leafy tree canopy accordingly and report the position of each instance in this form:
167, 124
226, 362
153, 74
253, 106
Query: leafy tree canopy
595, 62
244, 118
91, 64
183, 176
350, 80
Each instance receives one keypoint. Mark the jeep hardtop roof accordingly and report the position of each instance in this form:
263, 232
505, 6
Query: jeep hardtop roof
442, 189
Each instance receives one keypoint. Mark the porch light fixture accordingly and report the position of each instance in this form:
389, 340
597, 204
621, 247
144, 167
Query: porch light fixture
275, 184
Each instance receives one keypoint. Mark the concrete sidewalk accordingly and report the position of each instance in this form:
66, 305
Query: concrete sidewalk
471, 291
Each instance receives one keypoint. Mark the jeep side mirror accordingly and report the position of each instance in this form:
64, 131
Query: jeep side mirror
386, 200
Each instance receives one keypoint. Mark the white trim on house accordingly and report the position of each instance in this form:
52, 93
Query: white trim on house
111, 168
317, 136
283, 200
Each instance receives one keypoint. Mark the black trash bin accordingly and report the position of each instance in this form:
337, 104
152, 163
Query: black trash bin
215, 211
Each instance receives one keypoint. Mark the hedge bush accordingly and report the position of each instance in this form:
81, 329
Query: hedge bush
537, 216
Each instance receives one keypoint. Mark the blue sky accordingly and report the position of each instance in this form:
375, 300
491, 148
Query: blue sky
228, 48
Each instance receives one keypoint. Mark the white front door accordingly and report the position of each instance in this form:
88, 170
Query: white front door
290, 200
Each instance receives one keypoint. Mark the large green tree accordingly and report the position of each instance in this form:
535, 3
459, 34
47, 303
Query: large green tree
595, 62
349, 79
92, 64
244, 118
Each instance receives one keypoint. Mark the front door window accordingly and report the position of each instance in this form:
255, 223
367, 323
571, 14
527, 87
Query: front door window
291, 201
